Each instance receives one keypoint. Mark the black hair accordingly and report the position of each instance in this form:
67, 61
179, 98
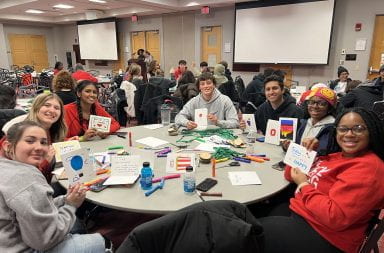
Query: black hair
279, 73
268, 72
79, 88
58, 64
204, 77
182, 62
187, 77
140, 51
275, 78
203, 64
374, 125
7, 97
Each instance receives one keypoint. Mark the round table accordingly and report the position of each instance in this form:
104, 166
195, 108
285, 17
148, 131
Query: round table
172, 196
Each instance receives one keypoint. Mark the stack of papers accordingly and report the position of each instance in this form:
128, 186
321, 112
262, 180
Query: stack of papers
244, 178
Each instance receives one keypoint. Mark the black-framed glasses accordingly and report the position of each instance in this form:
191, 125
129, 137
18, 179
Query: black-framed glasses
319, 103
357, 129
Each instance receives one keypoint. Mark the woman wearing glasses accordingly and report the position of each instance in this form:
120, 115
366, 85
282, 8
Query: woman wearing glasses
334, 203
320, 106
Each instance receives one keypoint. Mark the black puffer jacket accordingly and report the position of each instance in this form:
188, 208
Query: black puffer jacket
6, 115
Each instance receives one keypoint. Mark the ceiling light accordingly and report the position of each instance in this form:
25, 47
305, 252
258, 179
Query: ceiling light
192, 4
98, 1
63, 6
34, 11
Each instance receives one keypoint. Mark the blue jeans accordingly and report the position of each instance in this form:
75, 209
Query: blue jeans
75, 243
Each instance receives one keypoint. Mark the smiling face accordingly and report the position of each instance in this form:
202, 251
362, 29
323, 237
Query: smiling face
32, 146
206, 88
49, 112
88, 95
343, 76
352, 142
317, 108
273, 92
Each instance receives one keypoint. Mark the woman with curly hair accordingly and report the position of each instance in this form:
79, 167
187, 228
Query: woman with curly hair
64, 86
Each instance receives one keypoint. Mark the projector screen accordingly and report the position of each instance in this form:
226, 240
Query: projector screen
273, 32
97, 41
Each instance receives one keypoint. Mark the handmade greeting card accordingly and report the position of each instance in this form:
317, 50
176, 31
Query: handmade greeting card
272, 134
78, 166
125, 169
250, 123
201, 118
102, 124
288, 128
65, 147
177, 162
299, 157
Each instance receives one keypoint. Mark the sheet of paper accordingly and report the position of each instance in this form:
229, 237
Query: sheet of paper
103, 159
208, 146
250, 123
124, 169
177, 162
78, 166
102, 124
244, 177
272, 134
152, 141
201, 118
153, 126
65, 147
288, 128
299, 157
227, 47
361, 44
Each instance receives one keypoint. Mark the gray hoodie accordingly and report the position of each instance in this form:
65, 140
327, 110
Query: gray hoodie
29, 217
219, 104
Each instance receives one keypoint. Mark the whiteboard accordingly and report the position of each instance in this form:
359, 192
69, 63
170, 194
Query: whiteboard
98, 41
292, 33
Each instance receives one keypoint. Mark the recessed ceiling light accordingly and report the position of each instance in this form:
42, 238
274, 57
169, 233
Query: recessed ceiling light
34, 11
98, 1
63, 6
192, 4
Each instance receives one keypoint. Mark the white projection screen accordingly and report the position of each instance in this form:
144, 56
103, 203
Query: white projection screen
296, 33
97, 40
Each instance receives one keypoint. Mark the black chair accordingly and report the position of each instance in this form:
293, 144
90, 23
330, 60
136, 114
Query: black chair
371, 242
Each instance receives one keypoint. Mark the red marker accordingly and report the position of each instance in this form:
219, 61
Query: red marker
213, 161
130, 138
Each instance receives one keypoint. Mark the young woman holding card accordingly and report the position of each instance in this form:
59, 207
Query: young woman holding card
221, 111
335, 202
77, 114
31, 219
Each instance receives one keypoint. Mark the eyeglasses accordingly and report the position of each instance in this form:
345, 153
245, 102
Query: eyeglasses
357, 129
319, 103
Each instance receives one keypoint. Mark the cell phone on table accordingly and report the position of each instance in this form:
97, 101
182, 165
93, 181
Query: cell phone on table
98, 187
279, 166
207, 184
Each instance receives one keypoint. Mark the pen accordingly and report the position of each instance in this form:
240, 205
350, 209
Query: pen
199, 194
103, 161
121, 136
130, 138
213, 194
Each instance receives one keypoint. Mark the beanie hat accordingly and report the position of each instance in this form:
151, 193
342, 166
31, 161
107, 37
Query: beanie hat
341, 69
381, 68
219, 70
325, 93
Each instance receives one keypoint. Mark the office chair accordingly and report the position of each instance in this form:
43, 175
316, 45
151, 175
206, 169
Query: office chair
371, 242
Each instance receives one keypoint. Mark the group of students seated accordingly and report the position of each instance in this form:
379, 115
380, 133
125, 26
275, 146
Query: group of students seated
329, 211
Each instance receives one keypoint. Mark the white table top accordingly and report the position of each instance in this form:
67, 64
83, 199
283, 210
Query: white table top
172, 196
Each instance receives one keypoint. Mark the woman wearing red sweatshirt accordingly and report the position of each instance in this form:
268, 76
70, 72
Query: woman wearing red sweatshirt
333, 205
77, 114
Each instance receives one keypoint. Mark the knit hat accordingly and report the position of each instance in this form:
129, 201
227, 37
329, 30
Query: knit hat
341, 69
325, 93
219, 70
381, 68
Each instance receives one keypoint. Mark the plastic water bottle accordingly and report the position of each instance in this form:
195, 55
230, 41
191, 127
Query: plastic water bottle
146, 176
165, 114
189, 180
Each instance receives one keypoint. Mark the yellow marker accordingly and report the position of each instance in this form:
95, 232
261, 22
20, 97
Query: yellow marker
221, 160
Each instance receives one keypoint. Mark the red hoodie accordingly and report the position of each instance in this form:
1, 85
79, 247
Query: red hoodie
341, 198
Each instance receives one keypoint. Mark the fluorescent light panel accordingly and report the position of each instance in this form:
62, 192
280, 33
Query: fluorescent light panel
33, 11
63, 6
98, 1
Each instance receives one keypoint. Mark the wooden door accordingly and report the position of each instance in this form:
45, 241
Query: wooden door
29, 50
286, 68
211, 38
377, 48
137, 42
152, 44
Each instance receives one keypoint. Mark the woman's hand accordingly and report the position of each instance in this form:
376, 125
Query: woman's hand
76, 195
73, 138
212, 117
297, 176
242, 124
89, 134
50, 154
102, 135
191, 125
310, 143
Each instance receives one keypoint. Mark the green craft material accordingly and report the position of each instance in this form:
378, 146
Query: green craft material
221, 153
224, 133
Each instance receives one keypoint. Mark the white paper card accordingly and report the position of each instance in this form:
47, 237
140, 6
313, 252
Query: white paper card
208, 147
299, 157
244, 177
102, 124
152, 141
250, 123
78, 166
177, 162
227, 47
272, 134
124, 169
288, 128
201, 118
65, 147
153, 126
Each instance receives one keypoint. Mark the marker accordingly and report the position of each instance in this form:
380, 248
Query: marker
213, 167
121, 136
115, 147
240, 159
158, 179
103, 161
213, 194
130, 138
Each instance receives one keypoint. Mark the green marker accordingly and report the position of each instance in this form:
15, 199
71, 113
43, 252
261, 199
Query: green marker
115, 147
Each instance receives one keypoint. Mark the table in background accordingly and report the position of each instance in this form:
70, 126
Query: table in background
172, 196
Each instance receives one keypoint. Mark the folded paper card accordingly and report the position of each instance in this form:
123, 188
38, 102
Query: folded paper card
299, 157
288, 127
201, 118
124, 169
102, 124
244, 177
78, 166
65, 147
177, 162
272, 134
250, 123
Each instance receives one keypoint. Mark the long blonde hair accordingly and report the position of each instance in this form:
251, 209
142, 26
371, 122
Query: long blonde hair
58, 130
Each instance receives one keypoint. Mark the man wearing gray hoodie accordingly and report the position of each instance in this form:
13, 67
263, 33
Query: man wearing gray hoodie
221, 111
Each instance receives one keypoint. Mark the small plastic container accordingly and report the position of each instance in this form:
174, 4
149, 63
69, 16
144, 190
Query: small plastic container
165, 114
146, 176
189, 180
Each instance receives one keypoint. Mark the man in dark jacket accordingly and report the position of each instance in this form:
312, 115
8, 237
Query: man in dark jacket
277, 105
254, 92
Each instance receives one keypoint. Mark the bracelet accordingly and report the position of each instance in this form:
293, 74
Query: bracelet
81, 138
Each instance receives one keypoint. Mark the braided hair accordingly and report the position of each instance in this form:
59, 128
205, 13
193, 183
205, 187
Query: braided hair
79, 88
374, 125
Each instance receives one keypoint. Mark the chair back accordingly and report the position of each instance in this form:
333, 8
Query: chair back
371, 242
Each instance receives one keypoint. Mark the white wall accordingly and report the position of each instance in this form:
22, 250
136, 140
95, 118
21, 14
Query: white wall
65, 36
3, 49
